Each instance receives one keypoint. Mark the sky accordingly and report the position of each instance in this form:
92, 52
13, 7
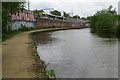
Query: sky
83, 8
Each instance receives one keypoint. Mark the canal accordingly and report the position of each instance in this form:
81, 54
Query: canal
78, 53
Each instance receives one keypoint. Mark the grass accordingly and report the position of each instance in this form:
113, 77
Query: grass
51, 74
0, 40
8, 35
38, 71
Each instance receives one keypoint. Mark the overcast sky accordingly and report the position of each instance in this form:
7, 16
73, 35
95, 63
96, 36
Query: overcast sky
83, 8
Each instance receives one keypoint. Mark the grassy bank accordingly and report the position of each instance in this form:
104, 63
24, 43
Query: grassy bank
9, 35
38, 65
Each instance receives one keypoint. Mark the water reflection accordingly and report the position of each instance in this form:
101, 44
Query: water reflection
44, 38
79, 54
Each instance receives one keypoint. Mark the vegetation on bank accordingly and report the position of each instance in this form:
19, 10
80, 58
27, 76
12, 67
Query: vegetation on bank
41, 66
9, 35
104, 22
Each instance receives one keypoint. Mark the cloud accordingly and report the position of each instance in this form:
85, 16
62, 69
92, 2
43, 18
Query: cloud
71, 0
80, 7
39, 5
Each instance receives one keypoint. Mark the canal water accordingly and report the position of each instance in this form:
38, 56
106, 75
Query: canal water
78, 53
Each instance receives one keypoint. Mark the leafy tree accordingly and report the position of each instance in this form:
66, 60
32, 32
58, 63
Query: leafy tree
118, 26
83, 18
104, 21
56, 12
93, 23
38, 11
118, 30
66, 14
9, 8
88, 18
118, 16
76, 16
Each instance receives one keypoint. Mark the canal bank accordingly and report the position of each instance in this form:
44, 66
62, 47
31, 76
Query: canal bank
18, 59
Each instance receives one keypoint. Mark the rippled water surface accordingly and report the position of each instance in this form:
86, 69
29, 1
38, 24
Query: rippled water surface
78, 53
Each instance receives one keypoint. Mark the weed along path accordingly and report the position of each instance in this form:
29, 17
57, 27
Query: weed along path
17, 56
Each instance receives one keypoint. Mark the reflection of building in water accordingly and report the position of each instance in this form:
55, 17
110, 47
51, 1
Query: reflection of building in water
119, 7
43, 38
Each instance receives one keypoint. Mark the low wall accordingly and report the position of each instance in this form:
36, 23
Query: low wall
25, 18
28, 19
40, 22
17, 24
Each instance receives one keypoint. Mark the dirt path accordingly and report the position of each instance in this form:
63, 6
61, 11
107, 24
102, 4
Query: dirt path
17, 56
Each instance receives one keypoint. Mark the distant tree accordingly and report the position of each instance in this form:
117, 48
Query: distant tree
88, 18
118, 16
38, 11
9, 8
56, 12
93, 23
76, 16
66, 14
118, 30
113, 13
83, 18
118, 26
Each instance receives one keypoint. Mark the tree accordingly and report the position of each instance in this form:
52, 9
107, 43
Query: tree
104, 21
38, 11
83, 18
93, 23
66, 14
9, 8
56, 12
118, 26
118, 16
88, 18
76, 16
118, 30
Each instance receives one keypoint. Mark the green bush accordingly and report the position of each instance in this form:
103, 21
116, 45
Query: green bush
9, 34
104, 22
24, 28
118, 30
51, 74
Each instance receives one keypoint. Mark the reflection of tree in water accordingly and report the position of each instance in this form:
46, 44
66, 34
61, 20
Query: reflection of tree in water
43, 38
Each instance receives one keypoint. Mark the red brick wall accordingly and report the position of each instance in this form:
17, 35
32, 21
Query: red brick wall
40, 22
